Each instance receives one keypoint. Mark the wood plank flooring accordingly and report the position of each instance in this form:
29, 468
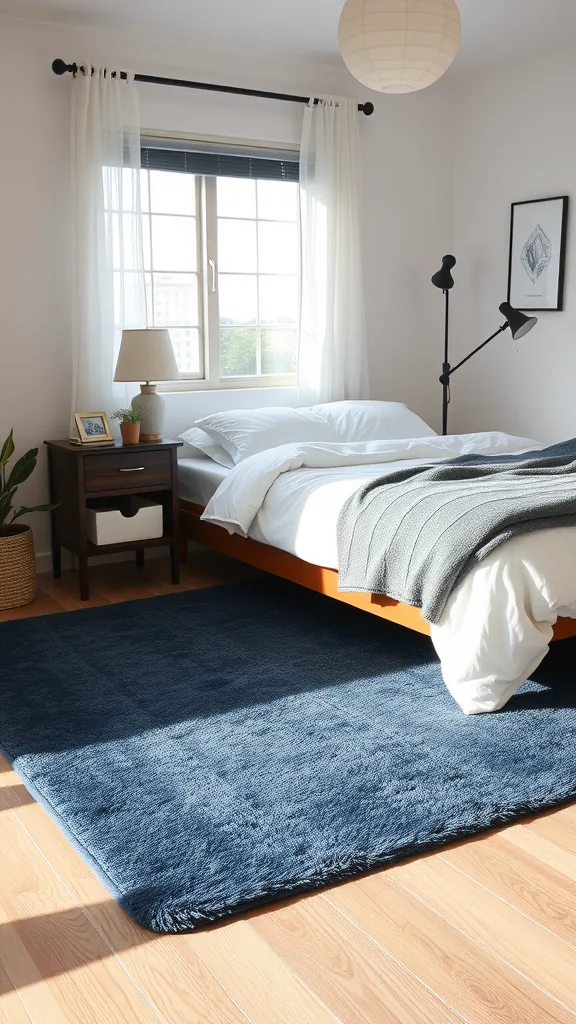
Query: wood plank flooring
483, 931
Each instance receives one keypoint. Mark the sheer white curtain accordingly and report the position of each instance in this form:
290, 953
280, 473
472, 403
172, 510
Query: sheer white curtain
109, 285
332, 353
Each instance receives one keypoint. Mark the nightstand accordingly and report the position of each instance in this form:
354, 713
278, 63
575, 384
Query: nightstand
80, 474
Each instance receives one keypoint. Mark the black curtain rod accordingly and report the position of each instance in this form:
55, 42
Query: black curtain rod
59, 67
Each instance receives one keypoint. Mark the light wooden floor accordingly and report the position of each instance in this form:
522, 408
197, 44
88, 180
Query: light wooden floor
483, 931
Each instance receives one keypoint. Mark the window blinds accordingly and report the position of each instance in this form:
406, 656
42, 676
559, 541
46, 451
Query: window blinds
220, 161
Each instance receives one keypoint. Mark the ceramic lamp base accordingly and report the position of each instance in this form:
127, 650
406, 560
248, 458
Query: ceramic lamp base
152, 410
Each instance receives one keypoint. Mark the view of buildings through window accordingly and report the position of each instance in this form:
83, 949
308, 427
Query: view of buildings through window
258, 276
221, 257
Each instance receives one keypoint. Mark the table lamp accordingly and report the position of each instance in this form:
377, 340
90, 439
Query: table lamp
147, 355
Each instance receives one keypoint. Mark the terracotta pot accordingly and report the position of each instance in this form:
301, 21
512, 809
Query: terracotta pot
130, 432
17, 567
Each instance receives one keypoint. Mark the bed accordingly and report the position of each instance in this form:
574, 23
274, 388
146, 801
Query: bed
292, 533
199, 481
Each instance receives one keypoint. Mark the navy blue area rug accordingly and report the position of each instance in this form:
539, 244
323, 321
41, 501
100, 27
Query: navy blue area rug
211, 751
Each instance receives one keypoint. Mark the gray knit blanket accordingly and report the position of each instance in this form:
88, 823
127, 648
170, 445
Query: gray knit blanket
413, 534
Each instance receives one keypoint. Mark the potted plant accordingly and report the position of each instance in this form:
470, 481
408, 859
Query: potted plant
17, 561
129, 425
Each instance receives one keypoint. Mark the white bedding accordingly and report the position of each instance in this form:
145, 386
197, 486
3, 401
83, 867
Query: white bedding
199, 479
498, 624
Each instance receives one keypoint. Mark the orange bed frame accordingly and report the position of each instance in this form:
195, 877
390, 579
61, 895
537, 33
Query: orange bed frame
314, 577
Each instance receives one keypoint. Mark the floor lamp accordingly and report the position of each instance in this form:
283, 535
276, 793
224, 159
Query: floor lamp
443, 279
518, 323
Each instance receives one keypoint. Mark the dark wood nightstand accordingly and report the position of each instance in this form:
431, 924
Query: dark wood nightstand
79, 474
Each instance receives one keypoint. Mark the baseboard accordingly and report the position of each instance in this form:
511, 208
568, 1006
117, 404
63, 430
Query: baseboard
44, 558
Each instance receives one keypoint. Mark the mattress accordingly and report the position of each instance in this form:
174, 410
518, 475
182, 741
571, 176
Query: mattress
200, 479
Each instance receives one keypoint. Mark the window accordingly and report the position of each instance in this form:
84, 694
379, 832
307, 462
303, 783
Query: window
221, 251
172, 262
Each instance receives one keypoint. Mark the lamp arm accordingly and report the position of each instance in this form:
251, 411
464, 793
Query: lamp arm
445, 378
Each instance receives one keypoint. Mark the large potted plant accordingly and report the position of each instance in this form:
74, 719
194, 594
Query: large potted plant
17, 561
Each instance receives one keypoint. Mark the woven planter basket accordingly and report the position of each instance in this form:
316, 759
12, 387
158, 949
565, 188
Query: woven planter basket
17, 568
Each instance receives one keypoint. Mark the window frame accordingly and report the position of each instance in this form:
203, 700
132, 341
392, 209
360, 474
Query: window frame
207, 248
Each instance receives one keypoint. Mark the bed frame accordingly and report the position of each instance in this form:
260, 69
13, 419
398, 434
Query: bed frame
314, 577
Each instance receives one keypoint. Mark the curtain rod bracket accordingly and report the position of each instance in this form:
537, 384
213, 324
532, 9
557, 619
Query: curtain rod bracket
60, 67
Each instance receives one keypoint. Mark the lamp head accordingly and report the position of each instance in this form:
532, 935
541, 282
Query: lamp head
518, 322
443, 278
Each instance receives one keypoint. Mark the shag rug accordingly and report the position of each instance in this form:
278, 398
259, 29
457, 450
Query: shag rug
214, 750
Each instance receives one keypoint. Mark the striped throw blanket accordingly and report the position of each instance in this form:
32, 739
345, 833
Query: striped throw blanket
413, 534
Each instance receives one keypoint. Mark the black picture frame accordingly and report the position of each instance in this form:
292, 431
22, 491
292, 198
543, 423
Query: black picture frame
537, 261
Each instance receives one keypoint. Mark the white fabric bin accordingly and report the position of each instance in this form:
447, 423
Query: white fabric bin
109, 526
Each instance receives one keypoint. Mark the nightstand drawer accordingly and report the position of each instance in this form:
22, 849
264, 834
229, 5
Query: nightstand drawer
111, 472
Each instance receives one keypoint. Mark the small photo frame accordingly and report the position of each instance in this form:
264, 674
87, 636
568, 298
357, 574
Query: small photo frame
93, 427
538, 230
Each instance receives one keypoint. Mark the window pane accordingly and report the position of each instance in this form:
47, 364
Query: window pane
132, 241
238, 298
175, 299
186, 344
146, 242
126, 242
237, 351
279, 351
277, 248
129, 299
149, 301
278, 300
174, 243
278, 200
236, 197
237, 245
144, 192
171, 192
113, 225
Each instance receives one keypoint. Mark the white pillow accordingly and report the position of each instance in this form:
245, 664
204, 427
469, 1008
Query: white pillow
245, 432
203, 444
373, 421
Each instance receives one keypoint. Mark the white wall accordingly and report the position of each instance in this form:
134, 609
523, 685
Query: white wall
407, 204
514, 141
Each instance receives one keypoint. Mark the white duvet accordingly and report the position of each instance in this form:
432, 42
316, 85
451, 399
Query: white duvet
497, 625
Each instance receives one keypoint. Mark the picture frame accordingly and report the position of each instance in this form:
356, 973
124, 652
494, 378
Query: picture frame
93, 428
537, 260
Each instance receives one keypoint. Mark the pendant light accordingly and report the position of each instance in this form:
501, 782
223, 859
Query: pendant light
399, 46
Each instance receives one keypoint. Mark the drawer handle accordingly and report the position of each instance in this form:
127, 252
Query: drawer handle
134, 469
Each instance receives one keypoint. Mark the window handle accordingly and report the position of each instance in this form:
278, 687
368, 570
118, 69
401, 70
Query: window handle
213, 269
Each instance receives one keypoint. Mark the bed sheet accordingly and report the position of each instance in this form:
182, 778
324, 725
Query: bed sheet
200, 479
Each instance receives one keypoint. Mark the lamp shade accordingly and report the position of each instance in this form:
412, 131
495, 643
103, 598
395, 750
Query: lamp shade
443, 278
519, 323
398, 46
146, 355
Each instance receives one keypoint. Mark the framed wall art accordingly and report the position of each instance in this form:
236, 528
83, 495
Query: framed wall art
538, 231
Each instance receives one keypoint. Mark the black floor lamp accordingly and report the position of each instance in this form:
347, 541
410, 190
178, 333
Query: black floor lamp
518, 323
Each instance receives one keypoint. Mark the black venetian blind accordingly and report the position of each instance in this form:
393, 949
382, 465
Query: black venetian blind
229, 165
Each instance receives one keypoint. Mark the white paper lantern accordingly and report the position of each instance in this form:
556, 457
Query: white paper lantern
398, 46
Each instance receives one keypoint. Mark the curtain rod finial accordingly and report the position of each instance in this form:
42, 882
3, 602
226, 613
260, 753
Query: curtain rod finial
368, 108
60, 67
